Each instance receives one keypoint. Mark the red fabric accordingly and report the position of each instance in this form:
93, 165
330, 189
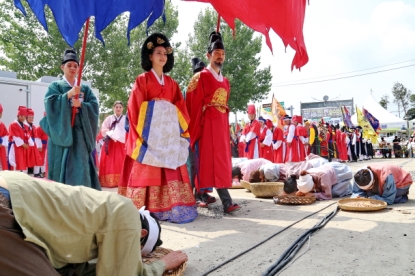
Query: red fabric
278, 135
44, 138
291, 154
3, 134
301, 131
343, 147
254, 127
265, 151
22, 111
34, 157
209, 127
15, 129
110, 166
402, 178
285, 17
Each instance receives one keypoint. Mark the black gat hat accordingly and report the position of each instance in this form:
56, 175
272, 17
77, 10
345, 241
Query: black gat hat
69, 55
197, 65
215, 42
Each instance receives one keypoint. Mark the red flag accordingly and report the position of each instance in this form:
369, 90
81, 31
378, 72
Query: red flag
285, 17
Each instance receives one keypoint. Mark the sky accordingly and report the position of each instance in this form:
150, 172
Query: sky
343, 38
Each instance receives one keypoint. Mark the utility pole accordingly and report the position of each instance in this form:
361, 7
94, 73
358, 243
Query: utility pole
291, 110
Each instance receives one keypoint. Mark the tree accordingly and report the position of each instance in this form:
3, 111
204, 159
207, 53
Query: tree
410, 115
32, 52
402, 97
384, 100
248, 83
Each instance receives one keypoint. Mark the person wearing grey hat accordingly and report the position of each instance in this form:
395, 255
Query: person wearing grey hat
70, 148
207, 99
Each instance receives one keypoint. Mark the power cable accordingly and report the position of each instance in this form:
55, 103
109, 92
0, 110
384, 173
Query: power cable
296, 246
348, 72
263, 241
346, 77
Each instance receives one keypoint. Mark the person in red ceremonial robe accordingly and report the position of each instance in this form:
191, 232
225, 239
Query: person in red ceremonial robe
323, 137
19, 141
278, 147
265, 140
302, 135
113, 149
241, 146
42, 145
34, 158
290, 141
207, 99
4, 141
343, 144
157, 143
250, 135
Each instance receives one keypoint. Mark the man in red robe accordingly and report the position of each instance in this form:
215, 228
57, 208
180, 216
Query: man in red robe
302, 135
207, 99
4, 137
277, 140
290, 141
19, 141
34, 159
251, 134
265, 140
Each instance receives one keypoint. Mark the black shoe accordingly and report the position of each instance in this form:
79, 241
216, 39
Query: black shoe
38, 175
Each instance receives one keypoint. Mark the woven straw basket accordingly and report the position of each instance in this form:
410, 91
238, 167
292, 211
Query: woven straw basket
361, 204
246, 185
294, 200
157, 255
267, 189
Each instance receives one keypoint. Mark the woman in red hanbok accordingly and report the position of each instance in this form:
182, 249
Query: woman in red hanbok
19, 141
42, 145
155, 173
113, 150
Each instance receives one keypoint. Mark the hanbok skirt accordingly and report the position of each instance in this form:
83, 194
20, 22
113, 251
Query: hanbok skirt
110, 166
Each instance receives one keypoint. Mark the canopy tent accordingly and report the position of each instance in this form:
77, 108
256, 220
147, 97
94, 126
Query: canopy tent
388, 121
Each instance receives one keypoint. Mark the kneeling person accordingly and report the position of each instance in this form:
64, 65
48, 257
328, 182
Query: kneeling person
384, 182
57, 229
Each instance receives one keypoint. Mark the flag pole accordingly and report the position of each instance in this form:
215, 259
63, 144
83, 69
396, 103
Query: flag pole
81, 66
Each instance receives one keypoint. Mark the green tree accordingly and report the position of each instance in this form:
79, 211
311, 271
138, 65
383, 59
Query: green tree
248, 83
32, 52
384, 100
402, 97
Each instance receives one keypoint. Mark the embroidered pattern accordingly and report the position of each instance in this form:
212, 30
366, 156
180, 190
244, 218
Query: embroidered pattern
150, 45
219, 99
193, 82
160, 40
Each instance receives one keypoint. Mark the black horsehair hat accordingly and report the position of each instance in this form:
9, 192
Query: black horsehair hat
153, 41
69, 55
197, 65
215, 42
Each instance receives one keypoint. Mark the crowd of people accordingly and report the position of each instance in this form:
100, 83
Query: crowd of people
165, 155
293, 139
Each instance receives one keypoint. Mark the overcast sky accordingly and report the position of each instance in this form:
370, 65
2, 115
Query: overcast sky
343, 38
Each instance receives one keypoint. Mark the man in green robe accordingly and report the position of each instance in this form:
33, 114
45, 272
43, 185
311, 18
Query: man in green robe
46, 226
71, 148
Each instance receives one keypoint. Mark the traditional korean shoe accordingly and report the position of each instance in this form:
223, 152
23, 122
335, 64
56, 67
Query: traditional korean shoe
209, 199
201, 204
38, 175
231, 208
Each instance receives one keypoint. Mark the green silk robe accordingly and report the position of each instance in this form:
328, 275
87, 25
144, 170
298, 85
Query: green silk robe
70, 149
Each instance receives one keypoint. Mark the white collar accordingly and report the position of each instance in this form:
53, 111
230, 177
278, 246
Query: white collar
64, 78
217, 76
161, 81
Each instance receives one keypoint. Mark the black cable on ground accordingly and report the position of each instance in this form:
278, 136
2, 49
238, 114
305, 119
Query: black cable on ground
270, 237
293, 249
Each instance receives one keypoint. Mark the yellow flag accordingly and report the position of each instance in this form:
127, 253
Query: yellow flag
277, 112
368, 132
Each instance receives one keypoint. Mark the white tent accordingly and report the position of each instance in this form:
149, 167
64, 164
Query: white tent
388, 122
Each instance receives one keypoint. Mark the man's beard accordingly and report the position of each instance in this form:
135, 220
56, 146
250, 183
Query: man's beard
218, 65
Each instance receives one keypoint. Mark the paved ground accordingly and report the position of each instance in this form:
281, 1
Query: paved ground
352, 243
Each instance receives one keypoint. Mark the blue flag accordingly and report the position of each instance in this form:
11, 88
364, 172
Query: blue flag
70, 15
346, 117
372, 120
